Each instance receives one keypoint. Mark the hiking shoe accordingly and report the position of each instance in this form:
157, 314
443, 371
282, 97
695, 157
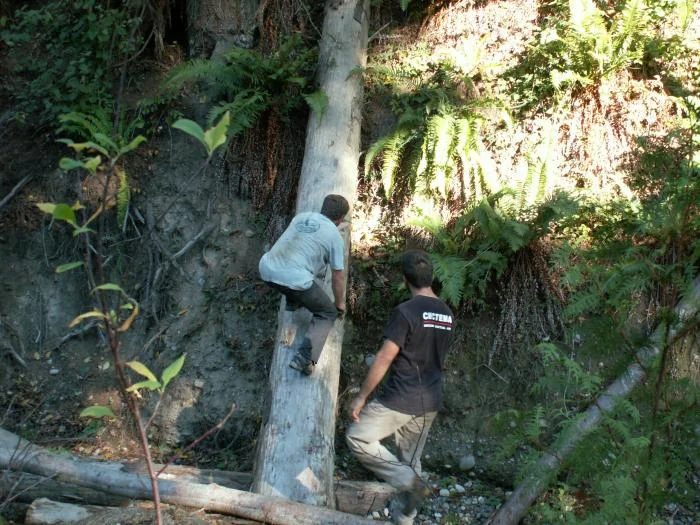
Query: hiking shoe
397, 514
411, 499
302, 364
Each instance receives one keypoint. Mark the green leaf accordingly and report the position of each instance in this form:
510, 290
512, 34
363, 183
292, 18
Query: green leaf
68, 164
97, 411
105, 141
132, 145
191, 128
151, 384
110, 287
81, 146
82, 229
46, 207
142, 369
216, 136
58, 211
68, 266
92, 163
64, 212
173, 369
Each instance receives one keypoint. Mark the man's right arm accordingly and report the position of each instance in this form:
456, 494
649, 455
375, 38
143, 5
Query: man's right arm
382, 361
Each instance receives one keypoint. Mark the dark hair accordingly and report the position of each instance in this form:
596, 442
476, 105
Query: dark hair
417, 268
335, 207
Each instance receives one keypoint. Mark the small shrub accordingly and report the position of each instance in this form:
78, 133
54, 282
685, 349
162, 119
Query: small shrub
66, 55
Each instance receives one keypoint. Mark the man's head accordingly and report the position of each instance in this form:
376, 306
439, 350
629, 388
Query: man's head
335, 207
417, 268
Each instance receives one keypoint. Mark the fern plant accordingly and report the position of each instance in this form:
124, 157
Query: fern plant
438, 135
477, 247
582, 44
109, 144
65, 53
248, 83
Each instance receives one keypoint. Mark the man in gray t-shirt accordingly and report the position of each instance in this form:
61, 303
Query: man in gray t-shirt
307, 247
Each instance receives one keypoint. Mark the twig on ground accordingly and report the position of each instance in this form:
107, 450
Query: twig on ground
84, 328
15, 190
197, 441
156, 336
17, 357
202, 233
12, 334
374, 35
12, 496
499, 376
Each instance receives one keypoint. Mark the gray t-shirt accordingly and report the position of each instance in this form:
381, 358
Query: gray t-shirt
309, 244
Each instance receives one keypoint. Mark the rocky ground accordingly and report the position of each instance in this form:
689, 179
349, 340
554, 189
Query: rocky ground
464, 499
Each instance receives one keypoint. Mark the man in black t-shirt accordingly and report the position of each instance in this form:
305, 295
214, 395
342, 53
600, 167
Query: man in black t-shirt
416, 343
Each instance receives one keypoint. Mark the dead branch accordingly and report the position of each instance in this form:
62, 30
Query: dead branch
80, 331
520, 500
204, 232
21, 184
197, 441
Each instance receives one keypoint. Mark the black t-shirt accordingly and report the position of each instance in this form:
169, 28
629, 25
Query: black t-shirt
422, 328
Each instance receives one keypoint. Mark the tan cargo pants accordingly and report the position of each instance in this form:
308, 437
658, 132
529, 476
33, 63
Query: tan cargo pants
378, 422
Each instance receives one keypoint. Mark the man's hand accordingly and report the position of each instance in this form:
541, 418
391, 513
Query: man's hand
356, 407
341, 312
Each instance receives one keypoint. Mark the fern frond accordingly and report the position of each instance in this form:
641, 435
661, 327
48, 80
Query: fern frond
535, 423
451, 271
123, 197
439, 134
245, 108
392, 158
86, 125
375, 149
583, 302
318, 102
196, 70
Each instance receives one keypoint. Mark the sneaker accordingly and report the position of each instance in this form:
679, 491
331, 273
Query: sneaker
302, 364
411, 499
397, 514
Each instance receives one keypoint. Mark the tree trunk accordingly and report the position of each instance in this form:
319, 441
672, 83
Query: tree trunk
296, 444
18, 454
517, 504
215, 26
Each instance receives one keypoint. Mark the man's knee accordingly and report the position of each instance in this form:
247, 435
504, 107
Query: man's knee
354, 444
326, 313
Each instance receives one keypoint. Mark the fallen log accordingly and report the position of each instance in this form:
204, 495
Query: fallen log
18, 454
295, 453
24, 487
525, 494
44, 511
353, 497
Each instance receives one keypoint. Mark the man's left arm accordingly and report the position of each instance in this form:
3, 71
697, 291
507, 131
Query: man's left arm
338, 286
382, 361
